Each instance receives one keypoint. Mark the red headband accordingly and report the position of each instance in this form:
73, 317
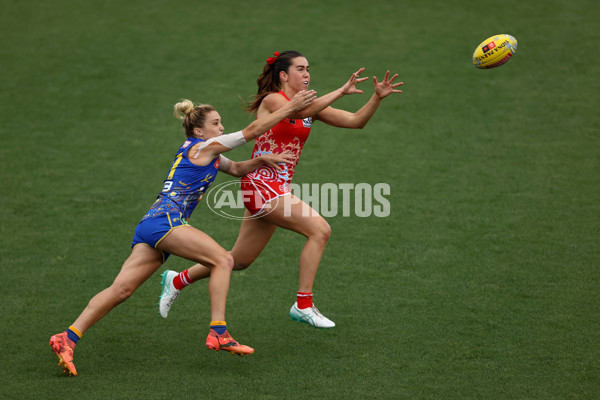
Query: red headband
271, 60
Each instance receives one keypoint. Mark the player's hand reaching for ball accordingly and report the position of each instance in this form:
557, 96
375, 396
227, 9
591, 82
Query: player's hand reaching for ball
387, 86
350, 86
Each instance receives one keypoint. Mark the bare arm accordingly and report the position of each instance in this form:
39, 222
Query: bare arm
325, 101
346, 119
358, 120
274, 102
259, 126
241, 168
204, 153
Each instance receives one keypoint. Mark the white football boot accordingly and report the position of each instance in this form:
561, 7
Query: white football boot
311, 316
169, 293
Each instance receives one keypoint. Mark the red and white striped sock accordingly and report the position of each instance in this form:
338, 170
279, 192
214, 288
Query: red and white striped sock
304, 300
182, 280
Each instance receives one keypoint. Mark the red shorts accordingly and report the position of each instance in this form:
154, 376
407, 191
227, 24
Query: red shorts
257, 193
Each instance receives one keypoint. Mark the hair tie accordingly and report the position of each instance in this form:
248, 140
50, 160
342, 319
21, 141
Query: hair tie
271, 60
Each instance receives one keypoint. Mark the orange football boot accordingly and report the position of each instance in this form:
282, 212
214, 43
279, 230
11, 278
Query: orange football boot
63, 347
217, 342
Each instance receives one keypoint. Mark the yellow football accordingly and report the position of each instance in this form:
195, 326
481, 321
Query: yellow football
494, 51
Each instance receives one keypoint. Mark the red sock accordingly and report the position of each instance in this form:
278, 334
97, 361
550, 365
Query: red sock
304, 300
182, 280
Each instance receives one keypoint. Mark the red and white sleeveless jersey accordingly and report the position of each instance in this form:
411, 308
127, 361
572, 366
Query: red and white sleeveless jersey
287, 135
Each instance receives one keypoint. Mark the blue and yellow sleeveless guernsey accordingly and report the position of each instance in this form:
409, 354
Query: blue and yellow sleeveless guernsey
184, 187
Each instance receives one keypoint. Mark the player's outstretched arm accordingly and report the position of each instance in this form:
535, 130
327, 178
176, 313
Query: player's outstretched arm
357, 120
259, 126
209, 150
325, 101
241, 168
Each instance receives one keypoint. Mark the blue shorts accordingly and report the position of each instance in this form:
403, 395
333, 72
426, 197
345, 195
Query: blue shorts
152, 230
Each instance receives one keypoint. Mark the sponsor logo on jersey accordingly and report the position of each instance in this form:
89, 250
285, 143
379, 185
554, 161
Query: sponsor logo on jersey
306, 122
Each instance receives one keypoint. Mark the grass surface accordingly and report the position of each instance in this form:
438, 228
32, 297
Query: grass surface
482, 283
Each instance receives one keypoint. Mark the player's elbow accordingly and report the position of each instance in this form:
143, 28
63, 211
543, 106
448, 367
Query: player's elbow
358, 124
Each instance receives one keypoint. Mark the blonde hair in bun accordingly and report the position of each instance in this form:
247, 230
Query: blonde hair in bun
192, 116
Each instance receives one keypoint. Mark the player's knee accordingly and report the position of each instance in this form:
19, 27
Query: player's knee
241, 261
322, 233
240, 265
224, 260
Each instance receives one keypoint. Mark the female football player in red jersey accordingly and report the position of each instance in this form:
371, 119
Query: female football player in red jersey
283, 76
165, 230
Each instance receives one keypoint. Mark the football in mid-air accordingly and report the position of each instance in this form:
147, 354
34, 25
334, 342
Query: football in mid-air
494, 51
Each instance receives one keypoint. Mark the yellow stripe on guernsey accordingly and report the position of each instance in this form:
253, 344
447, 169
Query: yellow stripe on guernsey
75, 331
174, 167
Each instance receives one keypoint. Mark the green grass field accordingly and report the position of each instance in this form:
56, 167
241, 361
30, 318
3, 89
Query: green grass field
481, 284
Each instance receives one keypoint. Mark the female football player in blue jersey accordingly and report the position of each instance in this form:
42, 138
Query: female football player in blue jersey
164, 230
